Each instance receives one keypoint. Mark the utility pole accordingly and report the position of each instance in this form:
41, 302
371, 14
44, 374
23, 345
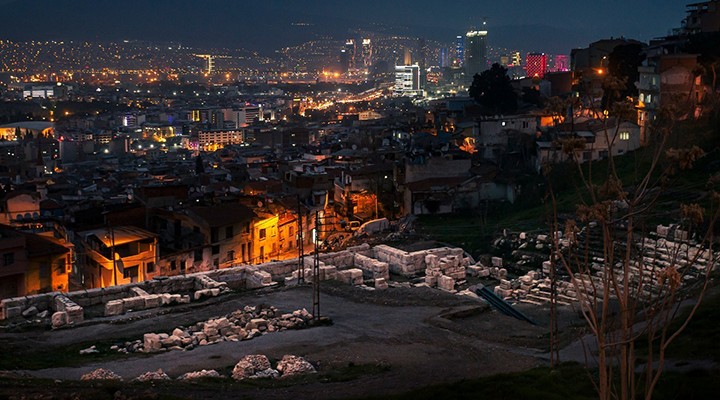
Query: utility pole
316, 269
300, 244
377, 193
112, 253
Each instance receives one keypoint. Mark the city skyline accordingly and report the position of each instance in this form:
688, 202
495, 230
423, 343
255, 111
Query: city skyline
274, 24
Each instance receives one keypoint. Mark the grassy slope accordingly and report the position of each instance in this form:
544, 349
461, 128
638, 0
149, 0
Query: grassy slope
475, 230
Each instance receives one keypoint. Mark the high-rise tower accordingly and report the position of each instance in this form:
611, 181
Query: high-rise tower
475, 52
367, 53
460, 50
536, 65
349, 54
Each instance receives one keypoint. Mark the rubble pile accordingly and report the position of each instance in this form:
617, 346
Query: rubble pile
411, 264
101, 374
67, 312
294, 365
200, 374
239, 325
253, 367
444, 272
666, 247
158, 375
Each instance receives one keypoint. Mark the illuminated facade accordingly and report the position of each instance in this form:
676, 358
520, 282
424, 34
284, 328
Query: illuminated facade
367, 53
32, 264
243, 116
460, 50
209, 140
265, 232
562, 63
536, 65
116, 256
407, 80
348, 55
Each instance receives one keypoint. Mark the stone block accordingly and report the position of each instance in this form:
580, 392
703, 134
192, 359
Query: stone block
503, 293
431, 280
59, 318
30, 312
446, 283
327, 272
152, 301
151, 342
75, 314
136, 291
381, 284
11, 312
114, 307
134, 303
496, 262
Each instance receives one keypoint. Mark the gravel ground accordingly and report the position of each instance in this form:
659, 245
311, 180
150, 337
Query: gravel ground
419, 336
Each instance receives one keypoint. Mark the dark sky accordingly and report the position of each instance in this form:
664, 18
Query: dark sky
551, 26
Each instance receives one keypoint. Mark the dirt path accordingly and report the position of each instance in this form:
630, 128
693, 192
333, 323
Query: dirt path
396, 328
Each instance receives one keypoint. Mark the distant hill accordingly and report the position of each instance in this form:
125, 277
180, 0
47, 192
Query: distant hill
263, 25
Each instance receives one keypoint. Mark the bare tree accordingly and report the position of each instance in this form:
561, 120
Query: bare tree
630, 285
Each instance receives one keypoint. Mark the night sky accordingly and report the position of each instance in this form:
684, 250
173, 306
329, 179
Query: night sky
551, 26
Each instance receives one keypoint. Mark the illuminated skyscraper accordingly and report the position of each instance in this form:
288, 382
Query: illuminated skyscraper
536, 64
209, 66
475, 52
407, 57
350, 53
562, 63
367, 53
460, 50
443, 59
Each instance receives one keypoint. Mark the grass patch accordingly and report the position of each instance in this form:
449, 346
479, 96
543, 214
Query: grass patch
700, 338
474, 230
33, 358
568, 381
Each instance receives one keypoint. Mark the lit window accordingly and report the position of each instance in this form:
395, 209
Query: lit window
624, 135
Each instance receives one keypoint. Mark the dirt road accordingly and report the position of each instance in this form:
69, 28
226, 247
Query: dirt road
405, 329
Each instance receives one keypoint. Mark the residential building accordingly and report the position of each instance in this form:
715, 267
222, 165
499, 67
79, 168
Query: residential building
116, 255
32, 264
601, 138
407, 81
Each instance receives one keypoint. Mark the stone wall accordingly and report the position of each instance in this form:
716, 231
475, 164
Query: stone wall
351, 266
14, 307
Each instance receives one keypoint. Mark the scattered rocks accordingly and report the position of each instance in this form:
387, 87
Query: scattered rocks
258, 366
243, 324
253, 366
294, 365
200, 374
101, 374
31, 311
90, 350
158, 375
